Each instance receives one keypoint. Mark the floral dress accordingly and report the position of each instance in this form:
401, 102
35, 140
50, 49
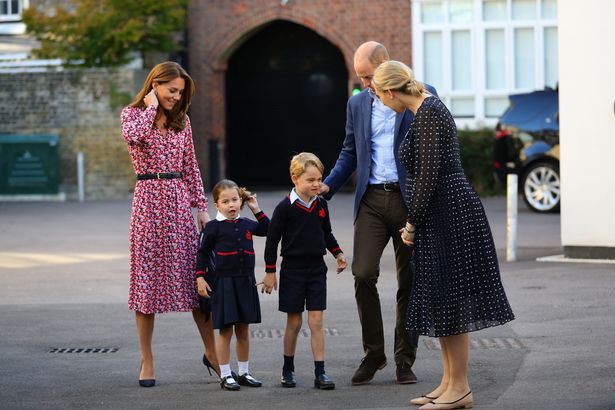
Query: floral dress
163, 234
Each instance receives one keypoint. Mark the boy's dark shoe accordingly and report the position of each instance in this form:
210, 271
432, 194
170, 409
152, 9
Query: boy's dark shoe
323, 382
248, 380
367, 369
228, 383
405, 375
288, 379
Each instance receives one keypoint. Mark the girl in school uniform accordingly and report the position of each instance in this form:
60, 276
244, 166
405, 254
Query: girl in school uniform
225, 275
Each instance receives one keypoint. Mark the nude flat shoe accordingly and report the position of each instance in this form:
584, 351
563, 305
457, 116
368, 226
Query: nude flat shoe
464, 402
422, 400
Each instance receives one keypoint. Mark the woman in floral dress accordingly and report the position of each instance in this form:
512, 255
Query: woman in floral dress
163, 235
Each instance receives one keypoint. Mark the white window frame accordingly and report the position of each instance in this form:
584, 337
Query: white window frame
22, 4
477, 29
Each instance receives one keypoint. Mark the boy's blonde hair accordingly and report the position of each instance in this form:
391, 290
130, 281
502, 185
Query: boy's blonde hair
302, 160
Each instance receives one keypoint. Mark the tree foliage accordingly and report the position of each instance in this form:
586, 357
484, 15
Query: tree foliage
106, 32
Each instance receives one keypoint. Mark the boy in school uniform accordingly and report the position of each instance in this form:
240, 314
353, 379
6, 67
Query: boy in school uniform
301, 221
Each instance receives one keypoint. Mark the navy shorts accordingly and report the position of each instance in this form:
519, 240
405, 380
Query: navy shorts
304, 288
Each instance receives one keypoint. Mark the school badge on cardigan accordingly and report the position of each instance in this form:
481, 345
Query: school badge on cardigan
249, 235
321, 213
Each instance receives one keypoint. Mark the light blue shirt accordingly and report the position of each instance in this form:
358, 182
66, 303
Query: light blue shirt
383, 168
295, 197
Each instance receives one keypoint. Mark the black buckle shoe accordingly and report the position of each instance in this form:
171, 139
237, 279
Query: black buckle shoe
228, 383
404, 374
288, 379
323, 382
248, 380
367, 369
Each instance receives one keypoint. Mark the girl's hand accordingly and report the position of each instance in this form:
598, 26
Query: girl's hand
151, 99
253, 204
203, 287
202, 217
341, 262
269, 282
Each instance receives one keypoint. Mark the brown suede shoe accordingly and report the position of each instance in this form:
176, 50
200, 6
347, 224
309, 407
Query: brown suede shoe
405, 375
367, 369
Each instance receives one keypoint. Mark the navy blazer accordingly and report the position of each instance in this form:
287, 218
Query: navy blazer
356, 151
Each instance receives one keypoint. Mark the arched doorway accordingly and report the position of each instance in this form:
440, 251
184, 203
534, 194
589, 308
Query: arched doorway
286, 92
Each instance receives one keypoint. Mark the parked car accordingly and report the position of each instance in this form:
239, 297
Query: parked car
527, 144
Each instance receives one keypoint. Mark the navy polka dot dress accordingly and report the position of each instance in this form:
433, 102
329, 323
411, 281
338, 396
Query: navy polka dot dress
457, 286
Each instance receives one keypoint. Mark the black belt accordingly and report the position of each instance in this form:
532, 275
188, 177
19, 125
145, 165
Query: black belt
159, 175
387, 186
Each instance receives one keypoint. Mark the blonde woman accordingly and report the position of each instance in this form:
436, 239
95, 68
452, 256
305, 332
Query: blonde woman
457, 286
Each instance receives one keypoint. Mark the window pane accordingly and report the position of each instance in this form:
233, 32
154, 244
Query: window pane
432, 12
460, 11
549, 9
14, 7
523, 9
551, 52
524, 58
495, 106
461, 56
432, 46
462, 107
494, 10
495, 66
4, 7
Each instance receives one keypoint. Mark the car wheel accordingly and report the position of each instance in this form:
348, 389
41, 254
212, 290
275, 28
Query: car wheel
541, 187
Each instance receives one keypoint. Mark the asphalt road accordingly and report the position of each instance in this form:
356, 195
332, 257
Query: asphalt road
64, 284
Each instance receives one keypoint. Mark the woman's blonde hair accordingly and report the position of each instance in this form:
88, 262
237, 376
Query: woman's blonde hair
301, 161
244, 194
396, 76
163, 73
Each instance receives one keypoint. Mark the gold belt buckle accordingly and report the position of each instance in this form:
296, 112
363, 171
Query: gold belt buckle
158, 175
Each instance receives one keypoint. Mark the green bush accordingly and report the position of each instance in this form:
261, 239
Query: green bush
476, 148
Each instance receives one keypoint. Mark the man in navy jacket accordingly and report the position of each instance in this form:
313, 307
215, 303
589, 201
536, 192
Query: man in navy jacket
373, 135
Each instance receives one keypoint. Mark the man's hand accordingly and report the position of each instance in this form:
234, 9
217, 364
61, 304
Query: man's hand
324, 188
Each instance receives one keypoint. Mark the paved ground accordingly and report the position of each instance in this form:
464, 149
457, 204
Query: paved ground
63, 284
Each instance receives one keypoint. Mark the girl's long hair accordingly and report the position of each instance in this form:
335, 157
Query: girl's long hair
163, 73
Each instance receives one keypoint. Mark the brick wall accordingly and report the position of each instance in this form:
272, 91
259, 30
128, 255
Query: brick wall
82, 107
216, 28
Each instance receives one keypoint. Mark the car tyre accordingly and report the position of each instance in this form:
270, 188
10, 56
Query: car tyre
541, 187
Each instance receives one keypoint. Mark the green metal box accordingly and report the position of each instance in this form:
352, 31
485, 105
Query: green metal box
29, 164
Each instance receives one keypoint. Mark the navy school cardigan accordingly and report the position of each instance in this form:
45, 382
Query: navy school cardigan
227, 247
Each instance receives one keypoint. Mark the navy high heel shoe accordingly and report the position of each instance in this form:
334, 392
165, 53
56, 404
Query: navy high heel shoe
146, 382
209, 366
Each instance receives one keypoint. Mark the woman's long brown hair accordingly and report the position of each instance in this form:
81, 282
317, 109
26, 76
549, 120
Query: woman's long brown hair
163, 73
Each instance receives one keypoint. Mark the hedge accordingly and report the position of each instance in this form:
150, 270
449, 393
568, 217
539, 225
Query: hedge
476, 149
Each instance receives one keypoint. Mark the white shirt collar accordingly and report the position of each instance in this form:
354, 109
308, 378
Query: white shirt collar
295, 197
221, 217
